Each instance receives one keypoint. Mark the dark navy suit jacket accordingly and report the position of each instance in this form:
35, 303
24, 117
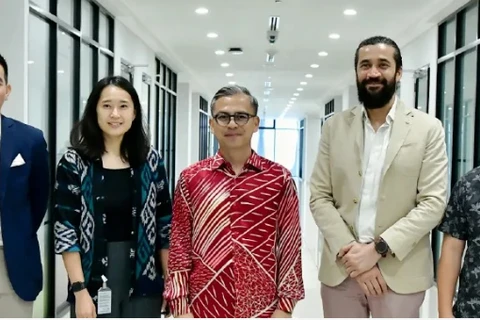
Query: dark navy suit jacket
24, 191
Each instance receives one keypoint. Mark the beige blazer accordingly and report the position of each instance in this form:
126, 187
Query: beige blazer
411, 199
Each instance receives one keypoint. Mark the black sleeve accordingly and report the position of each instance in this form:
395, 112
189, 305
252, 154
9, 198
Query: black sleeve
455, 220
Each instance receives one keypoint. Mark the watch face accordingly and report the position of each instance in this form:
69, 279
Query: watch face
381, 247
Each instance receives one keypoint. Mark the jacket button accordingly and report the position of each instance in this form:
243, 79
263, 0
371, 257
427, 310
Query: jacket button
355, 200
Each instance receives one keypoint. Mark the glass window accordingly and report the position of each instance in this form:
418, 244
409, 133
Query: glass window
421, 90
267, 123
38, 102
286, 149
286, 124
104, 67
466, 112
145, 98
64, 91
86, 74
87, 19
447, 38
446, 99
44, 4
468, 26
104, 31
263, 142
65, 11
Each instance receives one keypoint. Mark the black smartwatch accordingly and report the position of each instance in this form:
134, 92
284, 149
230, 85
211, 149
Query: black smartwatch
381, 247
78, 286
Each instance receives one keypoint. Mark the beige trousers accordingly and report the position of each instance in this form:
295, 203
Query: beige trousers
11, 306
347, 300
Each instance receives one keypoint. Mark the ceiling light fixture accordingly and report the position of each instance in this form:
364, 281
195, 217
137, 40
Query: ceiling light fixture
212, 35
229, 74
349, 12
201, 11
303, 83
296, 94
323, 53
334, 36
219, 52
314, 66
232, 83
308, 75
299, 89
224, 65
293, 99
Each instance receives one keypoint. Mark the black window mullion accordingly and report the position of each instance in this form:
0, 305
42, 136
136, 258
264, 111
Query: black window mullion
52, 145
476, 152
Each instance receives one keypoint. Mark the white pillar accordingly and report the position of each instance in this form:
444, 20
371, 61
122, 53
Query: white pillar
14, 26
184, 130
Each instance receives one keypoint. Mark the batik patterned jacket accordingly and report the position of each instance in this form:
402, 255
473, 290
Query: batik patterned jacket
80, 219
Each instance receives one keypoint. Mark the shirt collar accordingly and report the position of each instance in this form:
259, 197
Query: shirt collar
390, 115
255, 161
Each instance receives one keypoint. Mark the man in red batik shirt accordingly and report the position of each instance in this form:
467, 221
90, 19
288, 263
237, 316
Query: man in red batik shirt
235, 246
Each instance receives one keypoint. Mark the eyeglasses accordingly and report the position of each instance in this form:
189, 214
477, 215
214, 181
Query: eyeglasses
240, 118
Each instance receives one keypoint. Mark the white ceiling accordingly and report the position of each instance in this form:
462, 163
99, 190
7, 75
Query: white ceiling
304, 30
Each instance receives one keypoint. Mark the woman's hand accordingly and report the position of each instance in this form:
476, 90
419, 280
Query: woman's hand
84, 307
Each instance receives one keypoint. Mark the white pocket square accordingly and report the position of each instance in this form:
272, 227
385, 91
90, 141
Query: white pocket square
18, 161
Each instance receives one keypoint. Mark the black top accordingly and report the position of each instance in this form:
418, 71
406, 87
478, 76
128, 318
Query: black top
462, 221
118, 204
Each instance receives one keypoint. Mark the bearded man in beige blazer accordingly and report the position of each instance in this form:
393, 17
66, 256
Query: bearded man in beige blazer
378, 188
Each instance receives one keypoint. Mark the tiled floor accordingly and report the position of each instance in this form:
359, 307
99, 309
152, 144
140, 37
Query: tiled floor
311, 306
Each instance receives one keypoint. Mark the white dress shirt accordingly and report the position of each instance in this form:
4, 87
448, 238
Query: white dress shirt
375, 150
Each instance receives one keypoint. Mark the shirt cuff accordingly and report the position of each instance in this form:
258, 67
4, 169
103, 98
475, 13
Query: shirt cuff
179, 307
286, 305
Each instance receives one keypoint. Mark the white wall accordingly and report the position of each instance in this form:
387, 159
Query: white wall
418, 53
310, 230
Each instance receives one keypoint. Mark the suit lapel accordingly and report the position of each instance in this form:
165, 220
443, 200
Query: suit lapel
400, 129
357, 133
6, 153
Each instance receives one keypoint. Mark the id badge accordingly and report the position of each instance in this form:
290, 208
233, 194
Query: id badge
104, 299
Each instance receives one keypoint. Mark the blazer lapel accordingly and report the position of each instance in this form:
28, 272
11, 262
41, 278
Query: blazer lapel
6, 153
400, 129
357, 134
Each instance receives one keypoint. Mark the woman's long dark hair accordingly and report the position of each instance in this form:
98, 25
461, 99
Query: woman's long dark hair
87, 138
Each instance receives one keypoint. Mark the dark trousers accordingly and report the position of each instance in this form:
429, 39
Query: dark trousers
118, 275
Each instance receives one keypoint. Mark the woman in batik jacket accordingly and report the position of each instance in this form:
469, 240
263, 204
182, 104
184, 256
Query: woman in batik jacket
113, 208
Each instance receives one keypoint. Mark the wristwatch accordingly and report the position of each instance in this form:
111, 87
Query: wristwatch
381, 247
78, 286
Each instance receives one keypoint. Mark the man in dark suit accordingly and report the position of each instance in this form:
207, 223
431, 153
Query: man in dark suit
24, 185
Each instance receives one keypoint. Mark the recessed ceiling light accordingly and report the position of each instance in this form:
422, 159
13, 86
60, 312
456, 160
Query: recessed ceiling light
201, 11
303, 83
219, 52
229, 74
232, 83
296, 94
225, 64
31, 62
349, 12
314, 66
334, 36
308, 75
323, 53
299, 89
293, 99
212, 35
61, 71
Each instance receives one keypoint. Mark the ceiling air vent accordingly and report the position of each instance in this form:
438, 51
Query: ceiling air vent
235, 51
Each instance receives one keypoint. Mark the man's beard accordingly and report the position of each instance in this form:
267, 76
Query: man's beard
377, 99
